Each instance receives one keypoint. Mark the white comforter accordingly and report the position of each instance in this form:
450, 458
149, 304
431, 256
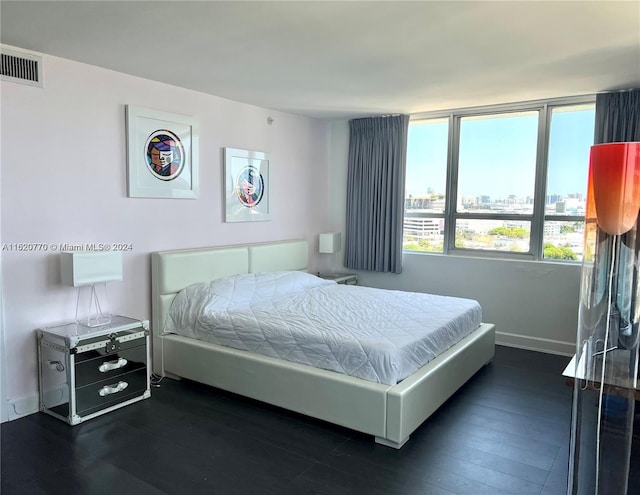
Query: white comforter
374, 334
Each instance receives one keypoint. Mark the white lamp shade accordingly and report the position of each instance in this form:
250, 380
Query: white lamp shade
330, 242
86, 268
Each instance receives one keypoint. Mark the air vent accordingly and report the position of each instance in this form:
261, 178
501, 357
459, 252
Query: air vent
20, 67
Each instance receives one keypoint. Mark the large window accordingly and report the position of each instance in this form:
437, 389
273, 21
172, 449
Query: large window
508, 180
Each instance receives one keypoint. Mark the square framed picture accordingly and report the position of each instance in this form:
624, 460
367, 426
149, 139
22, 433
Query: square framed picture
246, 178
162, 154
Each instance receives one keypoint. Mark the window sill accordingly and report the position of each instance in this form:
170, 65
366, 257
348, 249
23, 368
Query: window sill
494, 255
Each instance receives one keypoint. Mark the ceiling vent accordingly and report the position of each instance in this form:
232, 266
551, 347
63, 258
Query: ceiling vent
20, 67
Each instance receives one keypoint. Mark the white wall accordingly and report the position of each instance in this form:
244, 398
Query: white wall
64, 181
4, 410
533, 304
4, 413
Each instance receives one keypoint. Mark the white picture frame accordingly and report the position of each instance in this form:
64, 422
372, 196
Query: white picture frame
246, 178
162, 154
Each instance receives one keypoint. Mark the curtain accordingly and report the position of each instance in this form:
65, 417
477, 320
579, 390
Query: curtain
375, 193
617, 117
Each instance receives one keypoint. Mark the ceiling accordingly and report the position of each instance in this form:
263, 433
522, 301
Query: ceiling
338, 60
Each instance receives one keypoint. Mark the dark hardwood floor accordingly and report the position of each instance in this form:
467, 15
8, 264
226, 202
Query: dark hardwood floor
505, 432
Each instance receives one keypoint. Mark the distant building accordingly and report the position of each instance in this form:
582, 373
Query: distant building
574, 206
423, 228
428, 202
551, 228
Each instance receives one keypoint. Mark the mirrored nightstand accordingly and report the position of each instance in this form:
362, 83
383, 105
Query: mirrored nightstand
341, 278
88, 371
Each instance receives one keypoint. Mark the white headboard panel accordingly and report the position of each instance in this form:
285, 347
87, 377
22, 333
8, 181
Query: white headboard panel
293, 255
179, 269
172, 271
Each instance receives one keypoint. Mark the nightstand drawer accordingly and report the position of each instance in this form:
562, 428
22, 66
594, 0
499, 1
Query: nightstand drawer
106, 393
97, 366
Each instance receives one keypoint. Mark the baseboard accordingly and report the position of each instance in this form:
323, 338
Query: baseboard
536, 344
19, 408
24, 406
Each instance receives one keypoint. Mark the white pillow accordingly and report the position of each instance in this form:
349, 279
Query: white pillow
258, 286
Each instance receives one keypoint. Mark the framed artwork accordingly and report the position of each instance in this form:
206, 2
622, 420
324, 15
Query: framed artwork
162, 154
246, 178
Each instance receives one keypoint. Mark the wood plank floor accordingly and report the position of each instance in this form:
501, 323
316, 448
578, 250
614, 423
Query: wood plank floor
505, 432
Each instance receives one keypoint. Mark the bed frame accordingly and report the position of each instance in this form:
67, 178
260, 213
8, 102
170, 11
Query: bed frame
390, 413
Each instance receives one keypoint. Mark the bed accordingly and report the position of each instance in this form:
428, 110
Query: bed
389, 412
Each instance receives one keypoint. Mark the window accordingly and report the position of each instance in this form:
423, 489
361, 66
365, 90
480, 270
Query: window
508, 180
426, 185
571, 135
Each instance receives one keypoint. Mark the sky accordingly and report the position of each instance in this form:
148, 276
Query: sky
497, 155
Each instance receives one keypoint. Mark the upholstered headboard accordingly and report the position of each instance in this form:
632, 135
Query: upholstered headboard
172, 271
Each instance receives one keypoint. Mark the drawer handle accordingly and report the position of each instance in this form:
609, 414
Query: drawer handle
113, 389
112, 365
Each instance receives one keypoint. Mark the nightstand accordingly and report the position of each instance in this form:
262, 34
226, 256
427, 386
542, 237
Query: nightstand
341, 278
88, 371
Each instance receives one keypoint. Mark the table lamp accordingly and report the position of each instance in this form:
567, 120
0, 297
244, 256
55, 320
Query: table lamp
89, 272
330, 242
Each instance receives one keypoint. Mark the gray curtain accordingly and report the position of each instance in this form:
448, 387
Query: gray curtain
375, 193
617, 117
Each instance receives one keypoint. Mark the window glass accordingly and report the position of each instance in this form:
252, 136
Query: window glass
570, 140
423, 234
494, 165
493, 235
497, 163
563, 240
425, 185
426, 176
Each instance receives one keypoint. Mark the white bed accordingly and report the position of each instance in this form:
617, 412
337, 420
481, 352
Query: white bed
389, 412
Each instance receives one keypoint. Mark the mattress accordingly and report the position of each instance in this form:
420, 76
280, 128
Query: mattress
373, 334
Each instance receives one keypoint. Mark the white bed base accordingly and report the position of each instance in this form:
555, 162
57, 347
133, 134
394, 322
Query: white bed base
390, 413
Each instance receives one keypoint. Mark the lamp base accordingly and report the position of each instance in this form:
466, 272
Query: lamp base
89, 311
96, 321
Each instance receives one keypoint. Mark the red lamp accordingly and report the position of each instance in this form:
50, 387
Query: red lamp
608, 339
614, 178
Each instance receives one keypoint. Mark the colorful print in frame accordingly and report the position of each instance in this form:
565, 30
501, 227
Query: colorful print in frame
246, 186
162, 153
165, 154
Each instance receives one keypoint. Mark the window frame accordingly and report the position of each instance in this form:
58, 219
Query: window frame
537, 220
